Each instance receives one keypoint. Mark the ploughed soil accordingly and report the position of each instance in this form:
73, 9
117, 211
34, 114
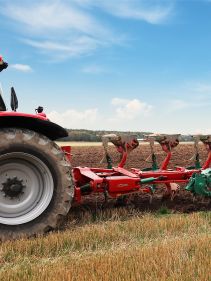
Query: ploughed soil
183, 201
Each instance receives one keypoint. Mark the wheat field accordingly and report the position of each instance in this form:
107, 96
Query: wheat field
117, 244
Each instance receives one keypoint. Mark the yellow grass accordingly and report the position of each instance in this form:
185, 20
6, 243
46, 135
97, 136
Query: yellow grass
117, 245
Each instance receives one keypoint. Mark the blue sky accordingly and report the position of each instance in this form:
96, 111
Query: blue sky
141, 65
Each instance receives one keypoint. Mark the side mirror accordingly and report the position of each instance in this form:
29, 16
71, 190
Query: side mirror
39, 109
14, 100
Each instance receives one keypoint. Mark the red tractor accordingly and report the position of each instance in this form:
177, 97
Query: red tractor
37, 184
36, 187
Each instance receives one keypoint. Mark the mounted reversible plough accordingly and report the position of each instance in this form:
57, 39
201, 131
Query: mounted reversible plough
117, 181
37, 184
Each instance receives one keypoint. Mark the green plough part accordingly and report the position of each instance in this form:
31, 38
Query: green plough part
154, 162
200, 184
109, 161
154, 166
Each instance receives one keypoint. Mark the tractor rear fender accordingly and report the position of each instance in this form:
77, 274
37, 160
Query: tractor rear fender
33, 123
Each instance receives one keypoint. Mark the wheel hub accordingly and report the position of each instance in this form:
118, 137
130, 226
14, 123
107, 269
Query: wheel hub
13, 187
18, 204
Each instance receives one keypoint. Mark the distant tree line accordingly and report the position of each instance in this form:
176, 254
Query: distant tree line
96, 136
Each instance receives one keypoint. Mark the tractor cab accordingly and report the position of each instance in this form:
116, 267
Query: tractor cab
13, 101
14, 104
2, 104
37, 122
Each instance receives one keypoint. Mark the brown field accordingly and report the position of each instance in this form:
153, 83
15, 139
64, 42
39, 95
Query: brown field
90, 154
164, 240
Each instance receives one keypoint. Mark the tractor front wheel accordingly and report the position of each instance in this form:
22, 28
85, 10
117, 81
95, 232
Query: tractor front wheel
36, 188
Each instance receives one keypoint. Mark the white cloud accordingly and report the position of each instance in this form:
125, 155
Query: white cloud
78, 46
75, 119
21, 67
119, 118
58, 28
151, 11
73, 28
52, 16
130, 109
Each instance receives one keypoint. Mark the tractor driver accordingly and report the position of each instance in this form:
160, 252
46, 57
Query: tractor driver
3, 64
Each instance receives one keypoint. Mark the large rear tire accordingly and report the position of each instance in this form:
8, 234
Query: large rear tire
36, 187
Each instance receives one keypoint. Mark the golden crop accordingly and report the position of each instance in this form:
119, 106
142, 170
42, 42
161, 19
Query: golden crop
121, 244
